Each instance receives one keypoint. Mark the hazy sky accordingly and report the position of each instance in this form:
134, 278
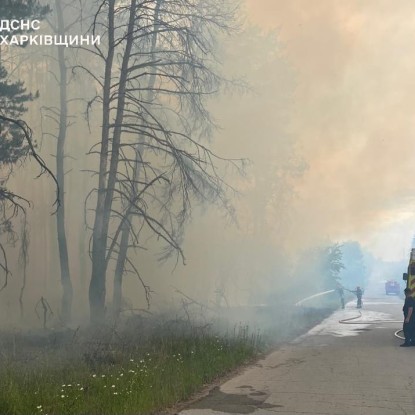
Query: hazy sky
355, 115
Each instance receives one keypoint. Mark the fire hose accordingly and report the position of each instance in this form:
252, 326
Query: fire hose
350, 321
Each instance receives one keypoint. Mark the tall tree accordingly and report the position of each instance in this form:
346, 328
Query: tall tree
331, 263
60, 169
318, 269
134, 189
159, 69
15, 135
356, 270
60, 115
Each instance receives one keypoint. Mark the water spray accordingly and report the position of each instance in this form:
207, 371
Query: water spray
313, 296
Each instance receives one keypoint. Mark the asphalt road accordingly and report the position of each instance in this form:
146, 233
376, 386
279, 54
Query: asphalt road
334, 369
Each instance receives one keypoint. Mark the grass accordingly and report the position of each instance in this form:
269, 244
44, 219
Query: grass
151, 367
167, 370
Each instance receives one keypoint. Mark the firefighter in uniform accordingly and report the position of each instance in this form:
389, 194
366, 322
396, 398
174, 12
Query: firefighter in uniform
340, 291
358, 292
409, 319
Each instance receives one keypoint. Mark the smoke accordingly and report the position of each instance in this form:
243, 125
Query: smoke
328, 126
354, 118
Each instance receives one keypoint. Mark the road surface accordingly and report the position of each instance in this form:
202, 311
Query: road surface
334, 369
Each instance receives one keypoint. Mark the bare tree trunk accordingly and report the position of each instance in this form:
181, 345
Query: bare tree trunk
67, 294
97, 284
125, 227
166, 118
23, 259
97, 290
119, 269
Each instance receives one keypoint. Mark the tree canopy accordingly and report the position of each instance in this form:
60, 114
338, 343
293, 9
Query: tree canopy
15, 135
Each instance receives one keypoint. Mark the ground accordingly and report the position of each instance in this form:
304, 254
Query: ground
334, 369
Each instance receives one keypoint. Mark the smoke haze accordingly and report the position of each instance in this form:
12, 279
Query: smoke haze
327, 123
354, 116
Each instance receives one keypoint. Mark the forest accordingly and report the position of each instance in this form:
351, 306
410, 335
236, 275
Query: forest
149, 219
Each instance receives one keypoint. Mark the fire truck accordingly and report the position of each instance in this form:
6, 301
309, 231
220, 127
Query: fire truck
392, 287
409, 276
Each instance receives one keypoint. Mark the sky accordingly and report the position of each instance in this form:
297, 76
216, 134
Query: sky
355, 122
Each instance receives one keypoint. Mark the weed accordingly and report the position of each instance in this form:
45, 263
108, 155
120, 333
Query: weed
167, 370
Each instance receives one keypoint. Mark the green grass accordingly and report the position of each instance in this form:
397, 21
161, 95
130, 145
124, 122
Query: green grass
141, 371
164, 372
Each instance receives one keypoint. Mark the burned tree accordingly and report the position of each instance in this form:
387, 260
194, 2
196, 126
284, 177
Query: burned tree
159, 69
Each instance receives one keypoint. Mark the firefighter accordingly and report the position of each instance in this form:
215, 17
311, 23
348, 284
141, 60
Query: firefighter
340, 291
359, 294
409, 319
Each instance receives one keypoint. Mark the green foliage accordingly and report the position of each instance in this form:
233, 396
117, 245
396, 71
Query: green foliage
13, 94
13, 100
13, 97
356, 271
168, 370
330, 258
22, 10
318, 269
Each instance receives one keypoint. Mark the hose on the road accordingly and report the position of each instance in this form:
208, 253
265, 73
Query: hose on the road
347, 320
396, 334
350, 321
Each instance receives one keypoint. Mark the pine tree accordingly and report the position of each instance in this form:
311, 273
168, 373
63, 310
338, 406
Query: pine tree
22, 9
15, 141
13, 97
13, 94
